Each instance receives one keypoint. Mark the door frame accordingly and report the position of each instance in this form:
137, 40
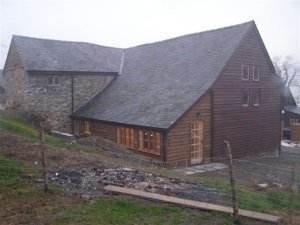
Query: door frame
197, 148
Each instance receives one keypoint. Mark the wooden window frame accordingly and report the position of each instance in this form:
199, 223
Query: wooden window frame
53, 80
248, 97
248, 73
153, 143
254, 95
140, 140
126, 137
253, 73
87, 127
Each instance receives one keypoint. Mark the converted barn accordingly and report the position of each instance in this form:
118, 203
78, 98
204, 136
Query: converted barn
179, 99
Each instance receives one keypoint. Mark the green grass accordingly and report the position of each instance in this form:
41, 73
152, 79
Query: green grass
117, 211
259, 201
16, 125
29, 198
10, 174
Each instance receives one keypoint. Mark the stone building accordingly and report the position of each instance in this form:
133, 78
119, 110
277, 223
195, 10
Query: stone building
175, 100
55, 78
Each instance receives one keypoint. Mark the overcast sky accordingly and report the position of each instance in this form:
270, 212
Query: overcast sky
126, 23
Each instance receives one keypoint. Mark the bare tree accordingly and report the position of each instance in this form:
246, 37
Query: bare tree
288, 70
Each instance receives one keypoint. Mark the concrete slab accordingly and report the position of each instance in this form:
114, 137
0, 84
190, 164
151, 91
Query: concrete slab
201, 168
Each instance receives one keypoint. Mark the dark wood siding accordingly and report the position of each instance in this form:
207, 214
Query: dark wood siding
109, 131
179, 136
250, 130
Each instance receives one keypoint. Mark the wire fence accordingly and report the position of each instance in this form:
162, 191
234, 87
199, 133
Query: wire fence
263, 183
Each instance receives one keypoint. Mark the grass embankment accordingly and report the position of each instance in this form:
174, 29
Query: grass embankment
26, 203
15, 124
265, 201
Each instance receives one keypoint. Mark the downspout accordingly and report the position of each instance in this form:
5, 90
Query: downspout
164, 146
72, 93
212, 123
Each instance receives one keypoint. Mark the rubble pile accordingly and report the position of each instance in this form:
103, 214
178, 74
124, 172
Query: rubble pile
90, 183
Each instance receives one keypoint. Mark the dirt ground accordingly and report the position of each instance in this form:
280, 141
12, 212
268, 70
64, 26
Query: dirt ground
84, 174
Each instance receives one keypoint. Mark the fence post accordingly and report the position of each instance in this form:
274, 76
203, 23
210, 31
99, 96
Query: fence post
232, 183
44, 159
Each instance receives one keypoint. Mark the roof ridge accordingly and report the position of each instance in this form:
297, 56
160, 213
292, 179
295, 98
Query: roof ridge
192, 34
56, 40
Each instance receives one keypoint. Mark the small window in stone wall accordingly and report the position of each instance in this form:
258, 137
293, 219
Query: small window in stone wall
54, 80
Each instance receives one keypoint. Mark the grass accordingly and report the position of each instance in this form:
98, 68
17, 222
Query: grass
259, 201
60, 208
118, 211
16, 125
10, 174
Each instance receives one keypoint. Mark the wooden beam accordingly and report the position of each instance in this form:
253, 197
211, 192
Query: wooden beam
193, 204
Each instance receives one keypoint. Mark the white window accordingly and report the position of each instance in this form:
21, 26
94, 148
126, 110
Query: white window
245, 72
255, 73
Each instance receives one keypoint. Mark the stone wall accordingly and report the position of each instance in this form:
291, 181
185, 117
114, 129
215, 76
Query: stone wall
56, 101
87, 86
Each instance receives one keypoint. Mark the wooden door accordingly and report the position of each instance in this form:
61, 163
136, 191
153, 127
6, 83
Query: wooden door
196, 142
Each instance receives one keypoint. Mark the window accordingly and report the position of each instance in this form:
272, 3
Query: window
53, 80
245, 97
149, 141
245, 72
87, 127
256, 96
256, 73
141, 140
125, 137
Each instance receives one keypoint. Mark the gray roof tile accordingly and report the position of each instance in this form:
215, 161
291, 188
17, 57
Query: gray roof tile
52, 55
160, 81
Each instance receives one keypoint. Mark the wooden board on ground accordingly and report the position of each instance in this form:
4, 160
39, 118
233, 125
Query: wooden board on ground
191, 203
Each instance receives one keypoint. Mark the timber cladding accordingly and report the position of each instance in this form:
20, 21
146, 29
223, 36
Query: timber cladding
143, 140
249, 129
179, 135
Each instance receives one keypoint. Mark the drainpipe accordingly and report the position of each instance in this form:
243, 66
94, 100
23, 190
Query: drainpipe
72, 93
212, 124
164, 146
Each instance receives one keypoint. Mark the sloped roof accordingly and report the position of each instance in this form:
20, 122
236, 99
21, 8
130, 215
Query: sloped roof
52, 55
292, 109
160, 81
288, 97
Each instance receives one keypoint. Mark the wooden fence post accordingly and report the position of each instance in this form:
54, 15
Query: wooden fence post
44, 157
232, 183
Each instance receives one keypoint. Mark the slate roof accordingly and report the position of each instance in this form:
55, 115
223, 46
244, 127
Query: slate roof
52, 55
289, 99
160, 81
292, 109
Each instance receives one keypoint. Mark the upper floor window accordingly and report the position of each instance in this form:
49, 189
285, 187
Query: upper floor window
53, 80
256, 97
245, 97
255, 73
245, 72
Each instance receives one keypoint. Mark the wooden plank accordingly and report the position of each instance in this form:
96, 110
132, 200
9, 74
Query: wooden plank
191, 203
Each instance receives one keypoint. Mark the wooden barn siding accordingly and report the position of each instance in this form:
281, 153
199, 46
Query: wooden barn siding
179, 136
109, 131
250, 130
